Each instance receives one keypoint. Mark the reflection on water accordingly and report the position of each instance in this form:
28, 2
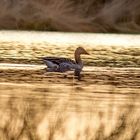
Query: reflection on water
37, 105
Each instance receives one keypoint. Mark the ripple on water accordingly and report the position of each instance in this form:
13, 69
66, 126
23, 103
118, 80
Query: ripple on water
35, 104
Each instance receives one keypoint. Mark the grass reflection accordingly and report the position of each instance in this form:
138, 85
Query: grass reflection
27, 122
43, 112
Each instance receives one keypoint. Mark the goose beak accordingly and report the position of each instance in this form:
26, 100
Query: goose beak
86, 53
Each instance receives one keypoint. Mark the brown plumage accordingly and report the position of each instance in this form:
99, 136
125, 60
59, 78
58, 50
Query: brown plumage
61, 64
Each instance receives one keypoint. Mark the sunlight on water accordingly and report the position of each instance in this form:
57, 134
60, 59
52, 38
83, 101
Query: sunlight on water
71, 38
35, 104
21, 66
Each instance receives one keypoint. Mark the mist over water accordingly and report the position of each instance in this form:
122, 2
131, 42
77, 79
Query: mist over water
71, 15
40, 105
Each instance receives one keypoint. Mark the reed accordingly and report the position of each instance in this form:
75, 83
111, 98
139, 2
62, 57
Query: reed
121, 16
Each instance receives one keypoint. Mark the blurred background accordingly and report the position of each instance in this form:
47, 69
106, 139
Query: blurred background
119, 16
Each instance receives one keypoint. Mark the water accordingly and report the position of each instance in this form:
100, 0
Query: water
35, 104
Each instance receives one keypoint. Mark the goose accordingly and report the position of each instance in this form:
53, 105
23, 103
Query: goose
61, 64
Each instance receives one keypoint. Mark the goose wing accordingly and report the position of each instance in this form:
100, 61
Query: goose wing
59, 60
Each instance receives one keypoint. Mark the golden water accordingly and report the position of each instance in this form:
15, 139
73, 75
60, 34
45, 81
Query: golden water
37, 105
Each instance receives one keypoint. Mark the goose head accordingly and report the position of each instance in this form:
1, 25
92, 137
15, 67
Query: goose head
80, 51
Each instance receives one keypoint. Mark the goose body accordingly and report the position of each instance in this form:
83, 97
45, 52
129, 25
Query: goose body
61, 64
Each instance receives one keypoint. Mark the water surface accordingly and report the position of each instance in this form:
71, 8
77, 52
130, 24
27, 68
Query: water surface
35, 104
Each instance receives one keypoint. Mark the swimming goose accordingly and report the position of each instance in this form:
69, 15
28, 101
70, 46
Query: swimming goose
61, 64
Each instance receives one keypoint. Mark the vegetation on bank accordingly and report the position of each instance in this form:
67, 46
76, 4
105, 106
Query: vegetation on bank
122, 16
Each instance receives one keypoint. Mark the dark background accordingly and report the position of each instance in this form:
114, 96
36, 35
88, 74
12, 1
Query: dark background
120, 16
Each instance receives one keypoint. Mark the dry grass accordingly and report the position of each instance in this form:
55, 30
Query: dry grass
77, 16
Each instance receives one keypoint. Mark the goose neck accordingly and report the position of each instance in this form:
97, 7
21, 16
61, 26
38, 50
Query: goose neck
78, 58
